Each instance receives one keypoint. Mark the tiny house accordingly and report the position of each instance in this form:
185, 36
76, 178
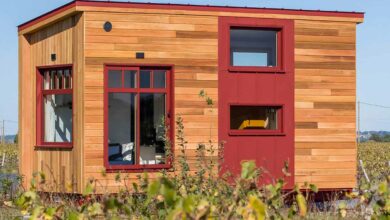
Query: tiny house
97, 78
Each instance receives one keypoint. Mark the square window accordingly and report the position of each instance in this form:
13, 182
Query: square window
253, 47
256, 45
255, 117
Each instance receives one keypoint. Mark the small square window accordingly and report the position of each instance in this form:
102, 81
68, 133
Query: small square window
253, 47
255, 117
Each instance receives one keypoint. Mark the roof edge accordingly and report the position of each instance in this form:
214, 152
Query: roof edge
95, 3
46, 15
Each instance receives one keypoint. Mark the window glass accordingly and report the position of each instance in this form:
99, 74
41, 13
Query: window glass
60, 79
58, 118
130, 79
136, 128
253, 47
159, 79
145, 78
152, 113
53, 76
68, 79
121, 128
254, 117
115, 79
46, 80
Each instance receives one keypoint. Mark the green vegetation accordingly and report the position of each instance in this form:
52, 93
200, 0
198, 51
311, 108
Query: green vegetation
203, 195
9, 180
380, 138
376, 161
10, 153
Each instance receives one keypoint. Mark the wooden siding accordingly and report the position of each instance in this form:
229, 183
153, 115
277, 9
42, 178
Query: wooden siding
188, 42
324, 80
62, 166
325, 86
325, 93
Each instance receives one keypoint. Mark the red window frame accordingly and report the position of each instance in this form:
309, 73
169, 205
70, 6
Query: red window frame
41, 92
285, 43
259, 132
168, 91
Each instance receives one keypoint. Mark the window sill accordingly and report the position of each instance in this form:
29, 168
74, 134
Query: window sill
53, 146
251, 69
137, 168
255, 133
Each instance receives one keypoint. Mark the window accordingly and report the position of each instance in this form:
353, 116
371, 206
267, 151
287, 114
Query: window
256, 45
255, 119
137, 112
253, 47
54, 107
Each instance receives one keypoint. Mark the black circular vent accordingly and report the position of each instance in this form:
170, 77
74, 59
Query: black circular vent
107, 26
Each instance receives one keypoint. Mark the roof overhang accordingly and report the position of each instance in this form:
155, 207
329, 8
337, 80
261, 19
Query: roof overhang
84, 5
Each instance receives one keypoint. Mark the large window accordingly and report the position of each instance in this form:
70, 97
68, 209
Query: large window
137, 115
54, 107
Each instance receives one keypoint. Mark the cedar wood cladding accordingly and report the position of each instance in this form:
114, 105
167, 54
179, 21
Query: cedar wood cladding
325, 85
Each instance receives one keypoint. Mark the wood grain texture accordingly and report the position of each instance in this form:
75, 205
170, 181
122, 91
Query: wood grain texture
325, 114
188, 42
64, 167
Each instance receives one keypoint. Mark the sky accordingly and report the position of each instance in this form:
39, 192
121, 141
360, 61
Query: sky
373, 50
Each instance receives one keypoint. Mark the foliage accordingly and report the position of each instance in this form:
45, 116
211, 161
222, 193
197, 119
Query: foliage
376, 161
16, 138
380, 138
373, 201
177, 195
182, 193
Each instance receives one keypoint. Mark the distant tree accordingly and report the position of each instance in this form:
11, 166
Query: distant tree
376, 138
16, 138
386, 138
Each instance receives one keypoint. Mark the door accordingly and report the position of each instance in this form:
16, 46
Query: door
256, 96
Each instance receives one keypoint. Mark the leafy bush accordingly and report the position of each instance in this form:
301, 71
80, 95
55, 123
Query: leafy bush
180, 196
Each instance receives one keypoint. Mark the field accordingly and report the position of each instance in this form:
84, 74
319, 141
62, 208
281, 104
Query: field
202, 196
376, 161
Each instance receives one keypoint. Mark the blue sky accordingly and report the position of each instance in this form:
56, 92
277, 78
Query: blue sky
373, 49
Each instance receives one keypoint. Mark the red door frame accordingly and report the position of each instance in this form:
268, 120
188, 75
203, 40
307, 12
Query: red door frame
273, 86
169, 91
